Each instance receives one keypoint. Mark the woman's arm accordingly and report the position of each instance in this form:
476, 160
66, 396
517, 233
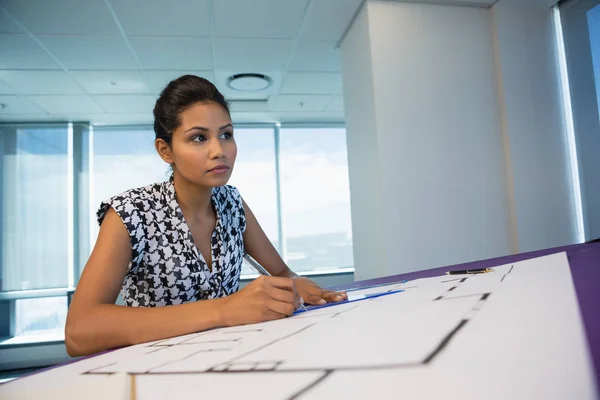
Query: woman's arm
259, 246
95, 323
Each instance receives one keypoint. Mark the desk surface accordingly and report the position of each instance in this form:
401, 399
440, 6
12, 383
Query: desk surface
484, 336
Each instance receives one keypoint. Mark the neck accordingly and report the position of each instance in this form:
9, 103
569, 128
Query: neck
194, 201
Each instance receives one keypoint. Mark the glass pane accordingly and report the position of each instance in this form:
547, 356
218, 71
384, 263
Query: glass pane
44, 316
254, 176
316, 199
594, 28
35, 214
123, 158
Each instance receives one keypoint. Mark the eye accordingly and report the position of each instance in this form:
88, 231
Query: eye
227, 135
199, 138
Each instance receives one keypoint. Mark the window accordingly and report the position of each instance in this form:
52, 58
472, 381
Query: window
316, 199
593, 16
122, 159
45, 316
36, 211
313, 186
578, 39
255, 177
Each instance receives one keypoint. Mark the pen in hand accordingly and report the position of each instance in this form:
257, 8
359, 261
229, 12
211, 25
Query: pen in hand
262, 271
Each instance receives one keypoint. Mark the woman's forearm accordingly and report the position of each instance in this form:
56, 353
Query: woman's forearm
107, 326
288, 273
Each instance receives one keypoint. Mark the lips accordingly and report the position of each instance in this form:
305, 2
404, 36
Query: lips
219, 169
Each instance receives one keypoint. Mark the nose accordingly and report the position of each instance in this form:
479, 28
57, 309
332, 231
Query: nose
216, 149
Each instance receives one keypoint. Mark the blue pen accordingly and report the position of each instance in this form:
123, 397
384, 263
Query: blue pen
349, 300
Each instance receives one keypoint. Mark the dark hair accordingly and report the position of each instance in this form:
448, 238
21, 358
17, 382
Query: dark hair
179, 95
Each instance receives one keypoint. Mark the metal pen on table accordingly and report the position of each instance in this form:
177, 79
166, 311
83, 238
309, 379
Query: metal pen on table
261, 270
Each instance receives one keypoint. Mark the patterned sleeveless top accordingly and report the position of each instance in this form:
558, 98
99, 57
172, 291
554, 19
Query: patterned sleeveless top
166, 266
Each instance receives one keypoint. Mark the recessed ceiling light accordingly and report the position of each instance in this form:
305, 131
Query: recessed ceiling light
249, 82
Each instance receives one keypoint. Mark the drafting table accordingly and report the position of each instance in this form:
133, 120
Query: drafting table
530, 329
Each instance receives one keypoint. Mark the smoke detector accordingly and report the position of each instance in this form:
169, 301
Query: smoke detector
249, 82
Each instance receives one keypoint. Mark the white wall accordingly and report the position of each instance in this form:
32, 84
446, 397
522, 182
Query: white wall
533, 125
455, 131
440, 159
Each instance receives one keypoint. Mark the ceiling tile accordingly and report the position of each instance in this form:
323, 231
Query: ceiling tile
56, 17
313, 55
328, 19
299, 102
311, 118
66, 105
120, 119
127, 103
90, 52
521, 3
7, 25
29, 117
40, 82
18, 105
336, 105
157, 80
483, 3
19, 51
5, 89
168, 18
111, 82
238, 106
312, 83
250, 55
258, 18
171, 53
254, 117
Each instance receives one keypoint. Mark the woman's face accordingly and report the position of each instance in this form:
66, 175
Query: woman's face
203, 149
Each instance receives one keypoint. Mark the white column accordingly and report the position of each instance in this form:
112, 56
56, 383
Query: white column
366, 185
533, 126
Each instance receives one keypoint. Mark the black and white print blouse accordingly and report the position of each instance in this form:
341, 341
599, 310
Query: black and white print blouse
166, 266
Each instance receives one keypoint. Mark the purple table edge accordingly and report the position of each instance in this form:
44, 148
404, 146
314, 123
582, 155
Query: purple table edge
584, 260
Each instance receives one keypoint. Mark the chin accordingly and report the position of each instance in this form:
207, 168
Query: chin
218, 181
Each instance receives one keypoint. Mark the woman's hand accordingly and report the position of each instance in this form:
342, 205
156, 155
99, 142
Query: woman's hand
312, 293
264, 299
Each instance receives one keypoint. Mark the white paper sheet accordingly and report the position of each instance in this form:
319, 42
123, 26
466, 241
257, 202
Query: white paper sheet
514, 333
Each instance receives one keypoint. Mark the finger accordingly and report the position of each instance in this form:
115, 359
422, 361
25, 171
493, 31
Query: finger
285, 296
329, 292
281, 307
315, 299
334, 297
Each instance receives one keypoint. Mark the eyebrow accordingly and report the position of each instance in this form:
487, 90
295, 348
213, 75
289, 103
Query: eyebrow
201, 128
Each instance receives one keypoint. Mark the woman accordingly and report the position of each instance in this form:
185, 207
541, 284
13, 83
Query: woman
178, 242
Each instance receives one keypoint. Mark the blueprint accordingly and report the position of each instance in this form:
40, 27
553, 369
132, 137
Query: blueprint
514, 333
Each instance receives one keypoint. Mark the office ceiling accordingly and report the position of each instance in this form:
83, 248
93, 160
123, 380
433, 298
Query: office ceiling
105, 61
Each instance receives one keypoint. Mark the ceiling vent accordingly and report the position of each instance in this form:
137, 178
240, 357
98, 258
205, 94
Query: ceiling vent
249, 82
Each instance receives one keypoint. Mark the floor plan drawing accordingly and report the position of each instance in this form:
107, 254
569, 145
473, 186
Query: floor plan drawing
509, 333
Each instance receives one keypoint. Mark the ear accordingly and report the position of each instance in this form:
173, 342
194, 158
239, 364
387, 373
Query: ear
164, 151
